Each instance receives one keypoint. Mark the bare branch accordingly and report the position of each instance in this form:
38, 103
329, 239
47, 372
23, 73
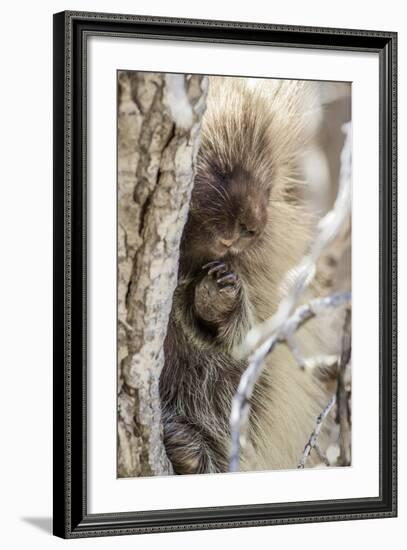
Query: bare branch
240, 404
261, 339
312, 442
343, 412
301, 276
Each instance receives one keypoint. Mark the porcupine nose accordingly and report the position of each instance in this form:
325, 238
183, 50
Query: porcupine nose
228, 242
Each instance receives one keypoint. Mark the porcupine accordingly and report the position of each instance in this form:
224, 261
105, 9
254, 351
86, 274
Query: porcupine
247, 227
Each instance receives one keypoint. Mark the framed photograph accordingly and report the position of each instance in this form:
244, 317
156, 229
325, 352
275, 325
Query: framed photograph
224, 274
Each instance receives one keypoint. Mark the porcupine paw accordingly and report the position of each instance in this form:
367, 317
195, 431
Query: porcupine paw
217, 293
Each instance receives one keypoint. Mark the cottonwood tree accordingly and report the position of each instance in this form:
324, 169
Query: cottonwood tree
159, 119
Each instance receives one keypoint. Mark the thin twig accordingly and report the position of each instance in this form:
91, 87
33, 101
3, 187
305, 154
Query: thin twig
312, 441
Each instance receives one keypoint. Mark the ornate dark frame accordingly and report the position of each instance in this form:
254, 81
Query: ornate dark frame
71, 518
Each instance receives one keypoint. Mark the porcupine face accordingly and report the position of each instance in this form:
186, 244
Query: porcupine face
229, 203
228, 213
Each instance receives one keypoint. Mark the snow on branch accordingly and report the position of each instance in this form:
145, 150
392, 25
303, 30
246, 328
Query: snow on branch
282, 326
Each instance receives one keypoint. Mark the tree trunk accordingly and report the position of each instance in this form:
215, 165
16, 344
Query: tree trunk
159, 118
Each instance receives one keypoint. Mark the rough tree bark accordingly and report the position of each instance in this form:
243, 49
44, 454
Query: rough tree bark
158, 137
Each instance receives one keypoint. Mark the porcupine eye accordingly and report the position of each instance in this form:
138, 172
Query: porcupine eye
245, 231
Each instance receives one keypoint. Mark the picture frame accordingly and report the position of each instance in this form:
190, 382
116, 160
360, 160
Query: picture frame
71, 511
